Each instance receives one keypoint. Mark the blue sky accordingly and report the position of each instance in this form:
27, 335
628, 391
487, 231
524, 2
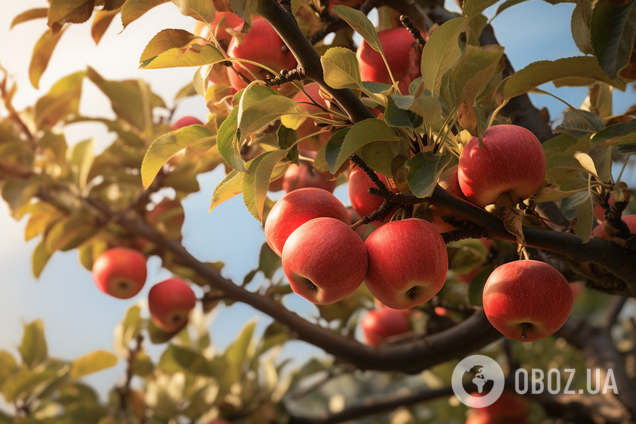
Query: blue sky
79, 318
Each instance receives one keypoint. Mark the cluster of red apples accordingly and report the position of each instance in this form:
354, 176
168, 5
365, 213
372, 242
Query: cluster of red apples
404, 262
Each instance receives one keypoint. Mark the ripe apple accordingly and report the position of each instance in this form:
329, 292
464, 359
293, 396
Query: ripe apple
230, 21
186, 121
120, 272
408, 263
308, 127
169, 213
400, 53
296, 208
380, 324
527, 300
578, 289
305, 175
170, 302
449, 181
509, 408
599, 231
324, 260
510, 164
363, 202
262, 45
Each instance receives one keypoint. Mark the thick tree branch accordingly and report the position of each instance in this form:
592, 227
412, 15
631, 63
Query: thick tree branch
470, 335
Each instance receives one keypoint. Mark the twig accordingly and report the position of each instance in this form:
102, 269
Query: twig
124, 390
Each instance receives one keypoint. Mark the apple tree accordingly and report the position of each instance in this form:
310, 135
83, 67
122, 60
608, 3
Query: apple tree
452, 173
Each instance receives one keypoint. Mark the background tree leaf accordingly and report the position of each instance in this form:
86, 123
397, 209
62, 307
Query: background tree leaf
33, 347
42, 54
92, 362
613, 31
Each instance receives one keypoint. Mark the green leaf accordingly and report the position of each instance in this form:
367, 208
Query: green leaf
538, 73
227, 142
585, 219
237, 354
69, 232
476, 287
41, 55
429, 108
165, 40
580, 124
33, 348
28, 15
81, 161
127, 329
341, 68
245, 9
473, 72
8, 364
62, 100
465, 255
613, 31
440, 53
18, 191
69, 11
176, 359
168, 145
228, 188
256, 181
396, 117
23, 383
92, 362
360, 134
580, 25
135, 9
616, 133
202, 10
39, 258
179, 57
424, 171
127, 99
261, 113
473, 8
570, 205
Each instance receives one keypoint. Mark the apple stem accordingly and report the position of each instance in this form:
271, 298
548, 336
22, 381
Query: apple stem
525, 327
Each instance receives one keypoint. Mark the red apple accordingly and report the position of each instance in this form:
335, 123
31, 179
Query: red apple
296, 208
449, 181
599, 230
120, 272
186, 121
305, 175
527, 300
510, 164
363, 202
308, 127
218, 28
324, 260
262, 45
169, 213
408, 263
400, 53
510, 408
380, 324
578, 288
170, 303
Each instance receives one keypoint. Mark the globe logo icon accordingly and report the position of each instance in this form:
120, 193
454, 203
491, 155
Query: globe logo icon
480, 375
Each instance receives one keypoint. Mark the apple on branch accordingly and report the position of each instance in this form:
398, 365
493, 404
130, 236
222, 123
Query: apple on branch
509, 166
382, 323
306, 175
527, 300
170, 303
324, 260
120, 272
296, 208
600, 231
408, 263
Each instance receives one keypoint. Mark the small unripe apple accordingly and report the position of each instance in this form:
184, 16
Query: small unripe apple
262, 45
408, 263
305, 175
599, 230
170, 303
296, 208
186, 121
308, 127
400, 53
324, 260
508, 167
380, 324
120, 272
527, 300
